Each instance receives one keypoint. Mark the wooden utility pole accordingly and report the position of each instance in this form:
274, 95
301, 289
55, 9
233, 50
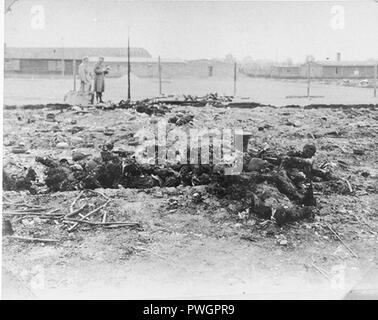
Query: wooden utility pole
375, 79
235, 65
159, 73
63, 67
74, 73
63, 63
308, 78
128, 69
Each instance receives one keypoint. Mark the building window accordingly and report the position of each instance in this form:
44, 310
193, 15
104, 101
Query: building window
12, 65
54, 65
210, 70
337, 70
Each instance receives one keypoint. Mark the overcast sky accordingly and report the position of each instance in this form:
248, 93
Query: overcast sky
263, 30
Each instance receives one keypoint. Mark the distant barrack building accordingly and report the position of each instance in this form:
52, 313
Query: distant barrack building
61, 61
344, 69
327, 70
58, 60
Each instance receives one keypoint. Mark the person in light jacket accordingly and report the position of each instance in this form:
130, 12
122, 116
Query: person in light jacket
100, 70
85, 76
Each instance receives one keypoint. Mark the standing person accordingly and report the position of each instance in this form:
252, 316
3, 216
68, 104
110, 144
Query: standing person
85, 75
100, 70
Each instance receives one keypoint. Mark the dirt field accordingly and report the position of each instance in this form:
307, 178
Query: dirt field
197, 250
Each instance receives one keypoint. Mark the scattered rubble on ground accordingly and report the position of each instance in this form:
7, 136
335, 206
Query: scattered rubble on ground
147, 106
181, 119
86, 149
160, 105
209, 100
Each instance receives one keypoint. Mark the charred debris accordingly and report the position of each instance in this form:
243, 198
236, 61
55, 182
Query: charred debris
279, 187
275, 185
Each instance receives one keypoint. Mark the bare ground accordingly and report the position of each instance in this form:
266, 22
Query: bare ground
198, 250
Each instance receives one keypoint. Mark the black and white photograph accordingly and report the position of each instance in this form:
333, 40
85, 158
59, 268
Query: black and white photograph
189, 150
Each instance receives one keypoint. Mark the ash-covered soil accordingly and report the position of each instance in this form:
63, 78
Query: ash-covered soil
183, 247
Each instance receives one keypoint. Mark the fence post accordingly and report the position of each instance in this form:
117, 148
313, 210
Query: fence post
159, 74
128, 69
375, 79
63, 67
235, 79
308, 78
74, 73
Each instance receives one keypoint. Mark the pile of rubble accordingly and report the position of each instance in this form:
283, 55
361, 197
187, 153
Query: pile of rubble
211, 99
147, 106
181, 119
20, 181
272, 185
160, 105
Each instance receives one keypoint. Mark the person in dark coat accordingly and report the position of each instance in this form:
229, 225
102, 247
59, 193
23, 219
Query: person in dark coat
100, 70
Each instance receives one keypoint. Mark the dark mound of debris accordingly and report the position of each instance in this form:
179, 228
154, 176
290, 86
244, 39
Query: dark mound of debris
211, 99
147, 106
181, 119
272, 186
18, 182
52, 106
